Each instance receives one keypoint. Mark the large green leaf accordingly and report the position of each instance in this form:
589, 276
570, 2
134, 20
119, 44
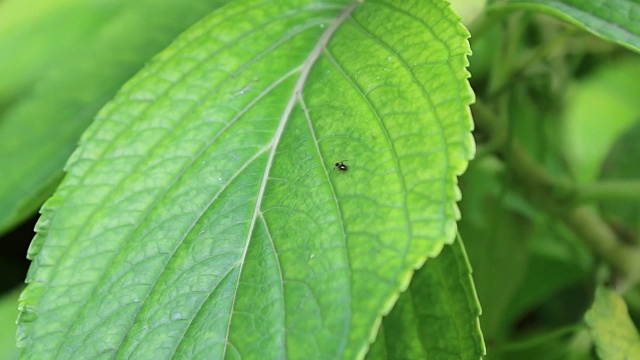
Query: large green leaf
61, 61
201, 216
614, 20
613, 331
437, 317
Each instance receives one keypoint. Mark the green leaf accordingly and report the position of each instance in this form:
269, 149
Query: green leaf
613, 20
499, 239
8, 314
65, 60
437, 316
621, 164
201, 216
600, 107
611, 328
546, 278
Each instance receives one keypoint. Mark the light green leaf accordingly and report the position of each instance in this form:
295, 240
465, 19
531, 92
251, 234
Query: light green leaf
201, 216
61, 61
600, 107
614, 20
613, 332
437, 317
8, 314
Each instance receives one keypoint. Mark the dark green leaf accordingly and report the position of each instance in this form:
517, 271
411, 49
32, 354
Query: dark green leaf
614, 20
437, 316
622, 164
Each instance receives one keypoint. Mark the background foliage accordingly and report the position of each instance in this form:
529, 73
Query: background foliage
550, 204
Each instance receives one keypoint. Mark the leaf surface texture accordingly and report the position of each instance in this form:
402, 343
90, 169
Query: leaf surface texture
201, 215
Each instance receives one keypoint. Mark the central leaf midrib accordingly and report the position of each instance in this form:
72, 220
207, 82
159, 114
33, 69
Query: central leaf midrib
286, 115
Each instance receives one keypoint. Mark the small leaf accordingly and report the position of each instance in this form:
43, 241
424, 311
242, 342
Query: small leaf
614, 20
611, 328
8, 313
201, 216
437, 317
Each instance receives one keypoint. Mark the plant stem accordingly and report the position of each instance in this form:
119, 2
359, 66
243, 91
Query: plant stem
600, 237
538, 55
610, 190
558, 195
